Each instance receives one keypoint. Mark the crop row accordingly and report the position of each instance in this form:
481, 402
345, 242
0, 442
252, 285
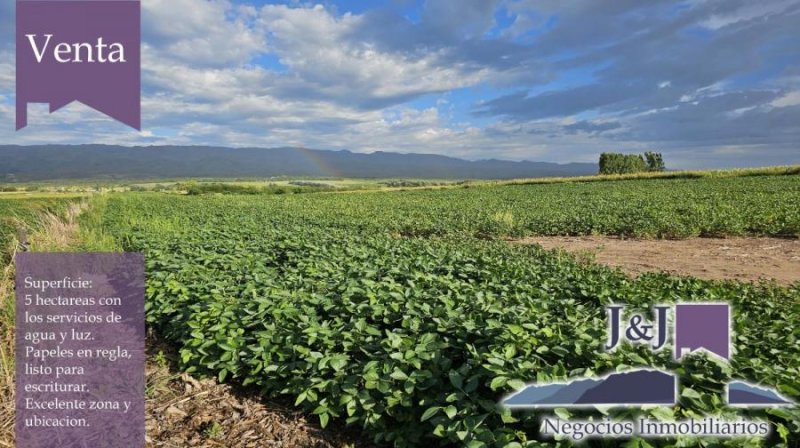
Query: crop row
415, 340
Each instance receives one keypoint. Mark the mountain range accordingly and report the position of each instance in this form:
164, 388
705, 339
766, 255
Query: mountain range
62, 162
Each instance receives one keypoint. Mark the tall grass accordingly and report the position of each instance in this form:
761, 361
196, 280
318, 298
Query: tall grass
7, 356
92, 236
53, 232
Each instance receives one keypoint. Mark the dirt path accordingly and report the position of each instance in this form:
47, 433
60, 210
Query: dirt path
746, 259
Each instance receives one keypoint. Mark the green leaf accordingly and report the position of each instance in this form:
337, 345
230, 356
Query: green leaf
516, 384
690, 393
430, 412
338, 362
456, 379
783, 432
562, 413
782, 413
498, 382
662, 413
398, 374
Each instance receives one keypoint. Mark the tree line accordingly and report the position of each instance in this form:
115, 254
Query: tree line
618, 163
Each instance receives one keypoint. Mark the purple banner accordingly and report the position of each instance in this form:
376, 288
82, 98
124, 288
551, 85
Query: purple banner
80, 350
87, 51
703, 326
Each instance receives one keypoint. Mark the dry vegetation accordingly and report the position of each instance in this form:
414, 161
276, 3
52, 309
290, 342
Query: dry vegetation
6, 359
183, 411
54, 233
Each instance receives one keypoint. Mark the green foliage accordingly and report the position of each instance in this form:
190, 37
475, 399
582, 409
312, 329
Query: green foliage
655, 161
653, 208
311, 184
415, 340
214, 430
616, 163
199, 188
416, 183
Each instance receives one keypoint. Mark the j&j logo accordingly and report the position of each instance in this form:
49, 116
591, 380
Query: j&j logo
695, 326
79, 50
637, 330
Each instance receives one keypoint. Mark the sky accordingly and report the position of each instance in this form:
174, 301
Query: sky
709, 83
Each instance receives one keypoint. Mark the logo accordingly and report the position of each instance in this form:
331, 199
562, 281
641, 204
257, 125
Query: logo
695, 327
698, 326
86, 50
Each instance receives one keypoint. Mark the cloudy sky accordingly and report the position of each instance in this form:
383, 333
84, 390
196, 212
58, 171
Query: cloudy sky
709, 83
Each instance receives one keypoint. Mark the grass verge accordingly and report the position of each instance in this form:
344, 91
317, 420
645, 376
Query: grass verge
55, 233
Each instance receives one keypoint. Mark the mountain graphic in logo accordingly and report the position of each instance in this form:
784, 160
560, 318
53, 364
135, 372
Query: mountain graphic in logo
743, 394
635, 387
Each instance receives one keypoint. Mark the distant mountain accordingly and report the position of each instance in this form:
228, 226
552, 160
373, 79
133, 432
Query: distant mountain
61, 162
636, 387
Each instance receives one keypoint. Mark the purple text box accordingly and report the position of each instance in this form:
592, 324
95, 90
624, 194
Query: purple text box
80, 350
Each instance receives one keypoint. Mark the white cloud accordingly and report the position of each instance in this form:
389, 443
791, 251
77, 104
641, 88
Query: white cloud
748, 11
7, 72
319, 49
206, 32
790, 99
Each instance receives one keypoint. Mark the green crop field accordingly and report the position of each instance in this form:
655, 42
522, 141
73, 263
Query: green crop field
383, 310
673, 208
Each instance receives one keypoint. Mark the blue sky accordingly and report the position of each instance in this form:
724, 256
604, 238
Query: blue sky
710, 83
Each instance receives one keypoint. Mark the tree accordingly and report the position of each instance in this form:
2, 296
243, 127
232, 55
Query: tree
655, 161
616, 163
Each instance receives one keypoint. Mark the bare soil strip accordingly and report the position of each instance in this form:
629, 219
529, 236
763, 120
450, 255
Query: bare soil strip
744, 259
182, 411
